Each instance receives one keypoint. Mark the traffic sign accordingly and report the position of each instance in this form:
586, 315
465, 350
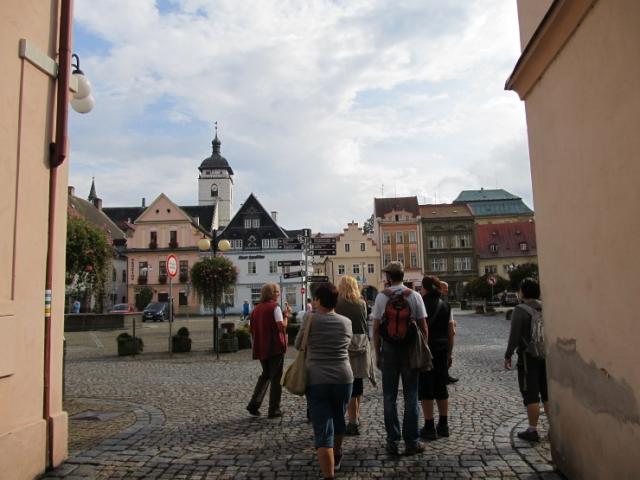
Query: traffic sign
172, 265
318, 278
302, 290
491, 281
299, 273
322, 251
323, 240
290, 263
289, 244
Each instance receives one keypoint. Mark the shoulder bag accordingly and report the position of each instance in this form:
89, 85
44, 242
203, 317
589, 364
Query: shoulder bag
294, 378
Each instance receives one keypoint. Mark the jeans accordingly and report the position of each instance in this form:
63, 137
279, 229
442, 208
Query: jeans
271, 375
395, 365
327, 405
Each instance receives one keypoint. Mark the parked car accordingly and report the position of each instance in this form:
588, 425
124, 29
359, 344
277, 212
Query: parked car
156, 311
510, 299
494, 302
122, 308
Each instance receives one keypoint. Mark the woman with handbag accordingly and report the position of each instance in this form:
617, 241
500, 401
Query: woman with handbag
329, 375
353, 307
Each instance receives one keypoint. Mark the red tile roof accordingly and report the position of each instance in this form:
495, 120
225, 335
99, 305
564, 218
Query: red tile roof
382, 206
507, 237
445, 210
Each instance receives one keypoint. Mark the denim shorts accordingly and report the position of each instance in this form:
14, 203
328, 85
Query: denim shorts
327, 406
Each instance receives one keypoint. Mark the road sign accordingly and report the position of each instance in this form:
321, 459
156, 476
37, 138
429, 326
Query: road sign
323, 240
322, 251
289, 244
318, 278
302, 290
290, 263
491, 281
299, 273
172, 265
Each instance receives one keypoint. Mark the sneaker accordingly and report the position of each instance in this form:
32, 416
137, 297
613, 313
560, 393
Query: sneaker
253, 410
275, 414
442, 430
529, 435
392, 448
337, 460
413, 449
352, 429
451, 380
428, 433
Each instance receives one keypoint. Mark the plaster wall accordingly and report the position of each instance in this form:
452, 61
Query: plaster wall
27, 99
224, 182
582, 120
530, 14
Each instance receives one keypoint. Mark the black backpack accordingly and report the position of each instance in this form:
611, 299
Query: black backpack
397, 326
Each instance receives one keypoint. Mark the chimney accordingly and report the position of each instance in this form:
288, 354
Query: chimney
274, 215
97, 202
71, 190
144, 203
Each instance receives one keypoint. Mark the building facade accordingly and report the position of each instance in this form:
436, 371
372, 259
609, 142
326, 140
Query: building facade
504, 246
578, 75
448, 245
215, 183
397, 229
33, 212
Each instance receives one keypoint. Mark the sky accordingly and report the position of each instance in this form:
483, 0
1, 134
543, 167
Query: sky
322, 105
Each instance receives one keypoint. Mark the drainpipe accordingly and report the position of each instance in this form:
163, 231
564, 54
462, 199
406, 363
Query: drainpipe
58, 153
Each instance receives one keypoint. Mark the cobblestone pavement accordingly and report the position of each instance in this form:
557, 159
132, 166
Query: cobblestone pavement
184, 417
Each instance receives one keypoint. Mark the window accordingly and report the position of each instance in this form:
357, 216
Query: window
412, 237
251, 268
290, 295
438, 264
183, 299
265, 243
255, 295
363, 247
462, 241
399, 237
355, 268
184, 270
255, 222
340, 269
228, 296
347, 247
163, 268
397, 217
490, 269
386, 238
153, 240
273, 243
173, 239
247, 223
273, 266
493, 248
414, 260
214, 190
462, 263
401, 258
437, 241
143, 269
524, 247
236, 244
371, 268
386, 258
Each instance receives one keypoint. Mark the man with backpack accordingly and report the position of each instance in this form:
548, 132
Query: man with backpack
397, 313
527, 338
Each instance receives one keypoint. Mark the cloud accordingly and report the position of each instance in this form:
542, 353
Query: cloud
320, 103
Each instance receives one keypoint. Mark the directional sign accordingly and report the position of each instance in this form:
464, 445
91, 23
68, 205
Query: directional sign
299, 273
323, 241
290, 263
322, 251
289, 244
172, 266
318, 278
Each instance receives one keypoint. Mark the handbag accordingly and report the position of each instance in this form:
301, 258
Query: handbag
294, 378
421, 357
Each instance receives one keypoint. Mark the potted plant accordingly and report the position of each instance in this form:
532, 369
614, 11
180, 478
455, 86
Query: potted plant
180, 342
228, 343
128, 345
244, 338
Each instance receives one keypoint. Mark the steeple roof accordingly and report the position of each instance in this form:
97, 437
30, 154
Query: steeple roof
216, 160
92, 192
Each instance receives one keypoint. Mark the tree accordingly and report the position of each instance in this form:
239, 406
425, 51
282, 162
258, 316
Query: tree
89, 257
211, 276
481, 288
521, 272
368, 225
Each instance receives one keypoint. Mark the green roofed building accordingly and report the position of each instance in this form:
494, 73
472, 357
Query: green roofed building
495, 206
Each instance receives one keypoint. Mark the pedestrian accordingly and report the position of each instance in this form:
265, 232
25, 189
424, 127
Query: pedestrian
268, 326
353, 307
246, 308
329, 376
393, 336
532, 367
444, 290
75, 307
433, 383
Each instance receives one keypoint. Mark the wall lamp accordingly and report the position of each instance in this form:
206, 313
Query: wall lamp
82, 101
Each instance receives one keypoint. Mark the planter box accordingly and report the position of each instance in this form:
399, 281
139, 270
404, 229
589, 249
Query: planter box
180, 344
244, 342
229, 345
130, 346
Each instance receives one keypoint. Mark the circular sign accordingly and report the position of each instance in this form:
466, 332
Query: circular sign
172, 265
491, 280
302, 290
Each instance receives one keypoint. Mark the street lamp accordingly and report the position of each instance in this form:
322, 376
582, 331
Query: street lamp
205, 245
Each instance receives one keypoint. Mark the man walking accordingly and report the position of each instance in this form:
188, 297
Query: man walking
396, 312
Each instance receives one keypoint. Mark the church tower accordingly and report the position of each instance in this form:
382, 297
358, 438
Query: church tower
215, 183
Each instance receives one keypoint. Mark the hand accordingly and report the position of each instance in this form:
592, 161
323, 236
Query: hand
507, 363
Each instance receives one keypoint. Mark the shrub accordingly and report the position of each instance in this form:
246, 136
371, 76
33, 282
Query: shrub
182, 332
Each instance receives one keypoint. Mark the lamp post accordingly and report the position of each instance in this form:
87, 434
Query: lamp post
204, 245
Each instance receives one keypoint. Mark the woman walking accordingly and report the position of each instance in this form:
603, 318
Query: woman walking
329, 376
353, 307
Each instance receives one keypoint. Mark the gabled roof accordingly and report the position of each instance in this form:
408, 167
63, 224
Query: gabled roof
445, 211
127, 215
507, 237
252, 208
467, 196
382, 206
499, 208
96, 217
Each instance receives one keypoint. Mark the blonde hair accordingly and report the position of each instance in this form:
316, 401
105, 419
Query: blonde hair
268, 292
348, 289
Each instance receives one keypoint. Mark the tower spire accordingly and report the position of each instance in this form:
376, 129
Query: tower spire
92, 192
216, 142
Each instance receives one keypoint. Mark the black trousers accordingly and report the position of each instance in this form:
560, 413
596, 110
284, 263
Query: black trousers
271, 375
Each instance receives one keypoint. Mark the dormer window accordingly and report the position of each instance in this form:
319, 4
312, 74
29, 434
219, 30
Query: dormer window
523, 246
214, 190
493, 248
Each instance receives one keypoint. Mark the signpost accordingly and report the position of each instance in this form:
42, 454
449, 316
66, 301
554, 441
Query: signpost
491, 281
290, 263
322, 251
289, 244
298, 273
318, 278
172, 271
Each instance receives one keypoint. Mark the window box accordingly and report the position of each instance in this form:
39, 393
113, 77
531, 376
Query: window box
142, 280
162, 279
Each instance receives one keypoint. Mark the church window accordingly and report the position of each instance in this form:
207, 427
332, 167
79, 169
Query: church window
214, 190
